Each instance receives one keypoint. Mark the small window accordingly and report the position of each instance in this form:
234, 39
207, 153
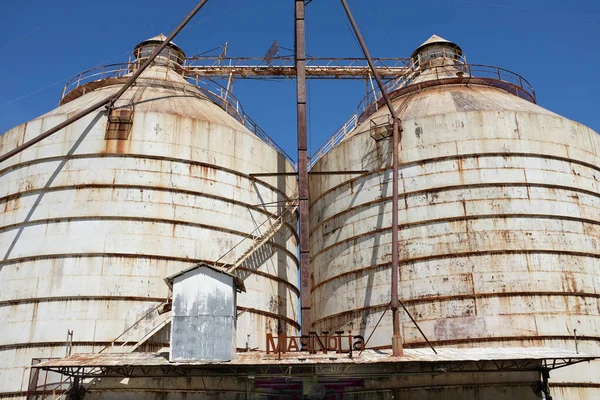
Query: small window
119, 123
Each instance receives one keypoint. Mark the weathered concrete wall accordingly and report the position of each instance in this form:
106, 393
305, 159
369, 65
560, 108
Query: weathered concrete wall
90, 227
499, 228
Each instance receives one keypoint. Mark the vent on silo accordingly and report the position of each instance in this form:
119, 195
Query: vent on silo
119, 123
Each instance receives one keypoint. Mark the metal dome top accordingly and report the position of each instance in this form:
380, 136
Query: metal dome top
158, 39
436, 40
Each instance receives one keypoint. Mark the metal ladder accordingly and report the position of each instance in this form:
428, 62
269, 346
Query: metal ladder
148, 326
258, 241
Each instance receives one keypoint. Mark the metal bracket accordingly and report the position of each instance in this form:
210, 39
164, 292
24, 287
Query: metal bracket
381, 130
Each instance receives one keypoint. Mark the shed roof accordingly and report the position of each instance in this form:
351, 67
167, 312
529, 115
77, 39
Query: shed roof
239, 284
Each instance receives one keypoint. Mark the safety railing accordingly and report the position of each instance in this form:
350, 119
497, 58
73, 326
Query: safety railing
228, 102
385, 65
339, 135
215, 92
502, 78
369, 102
101, 73
447, 70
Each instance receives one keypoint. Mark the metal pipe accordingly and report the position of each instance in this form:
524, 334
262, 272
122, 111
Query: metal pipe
300, 55
374, 329
110, 100
418, 327
365, 50
396, 337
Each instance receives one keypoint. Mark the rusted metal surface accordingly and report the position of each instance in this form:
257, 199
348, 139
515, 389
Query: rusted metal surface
303, 190
247, 68
282, 66
499, 225
89, 227
314, 342
367, 357
116, 74
396, 129
498, 373
416, 79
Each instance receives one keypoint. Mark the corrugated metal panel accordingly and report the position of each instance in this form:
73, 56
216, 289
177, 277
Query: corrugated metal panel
204, 314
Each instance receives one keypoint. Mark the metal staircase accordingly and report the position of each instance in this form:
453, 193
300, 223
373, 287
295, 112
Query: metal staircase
147, 326
258, 241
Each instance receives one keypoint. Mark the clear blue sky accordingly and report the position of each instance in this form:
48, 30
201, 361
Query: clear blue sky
552, 43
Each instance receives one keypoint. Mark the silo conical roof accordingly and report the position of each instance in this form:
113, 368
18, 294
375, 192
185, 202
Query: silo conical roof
435, 39
159, 39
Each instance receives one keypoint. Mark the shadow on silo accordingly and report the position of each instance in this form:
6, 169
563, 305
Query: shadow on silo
51, 180
275, 247
372, 159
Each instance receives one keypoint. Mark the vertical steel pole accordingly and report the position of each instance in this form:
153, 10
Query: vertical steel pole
396, 337
300, 55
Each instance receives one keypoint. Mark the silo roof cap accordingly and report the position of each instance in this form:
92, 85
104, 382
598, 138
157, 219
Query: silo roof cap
433, 40
159, 39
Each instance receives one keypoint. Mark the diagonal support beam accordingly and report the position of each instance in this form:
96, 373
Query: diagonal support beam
109, 101
396, 337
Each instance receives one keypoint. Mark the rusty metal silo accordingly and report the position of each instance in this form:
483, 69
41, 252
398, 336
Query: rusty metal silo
499, 217
93, 219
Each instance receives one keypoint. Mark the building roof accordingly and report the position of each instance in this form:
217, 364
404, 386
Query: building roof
239, 284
